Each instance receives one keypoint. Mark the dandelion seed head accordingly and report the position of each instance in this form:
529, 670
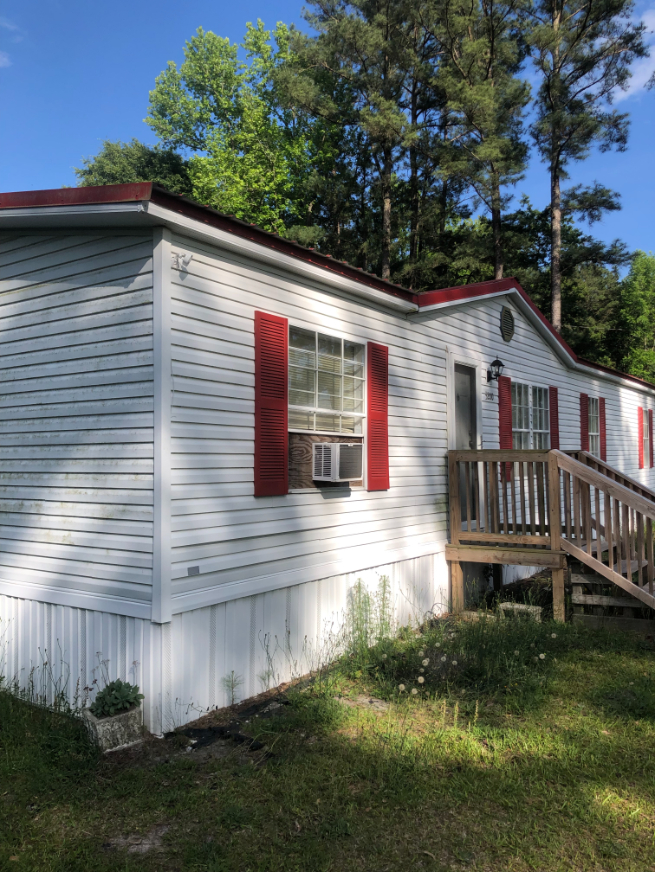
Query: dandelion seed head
454, 662
443, 659
421, 679
421, 669
532, 644
516, 653
438, 645
421, 653
542, 656
384, 656
553, 635
426, 661
401, 688
414, 691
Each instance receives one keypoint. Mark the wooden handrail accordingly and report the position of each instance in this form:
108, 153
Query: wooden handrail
543, 501
610, 471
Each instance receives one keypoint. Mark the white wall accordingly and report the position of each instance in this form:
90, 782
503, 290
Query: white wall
243, 545
475, 332
76, 401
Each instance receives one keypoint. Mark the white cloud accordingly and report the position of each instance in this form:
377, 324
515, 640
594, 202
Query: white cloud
5, 60
15, 31
643, 69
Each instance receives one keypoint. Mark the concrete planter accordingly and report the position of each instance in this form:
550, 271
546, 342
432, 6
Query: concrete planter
116, 731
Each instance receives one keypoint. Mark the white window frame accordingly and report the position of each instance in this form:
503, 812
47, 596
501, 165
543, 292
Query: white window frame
530, 431
315, 410
647, 437
593, 413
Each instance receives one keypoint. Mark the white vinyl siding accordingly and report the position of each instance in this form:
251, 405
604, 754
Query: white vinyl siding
237, 541
76, 437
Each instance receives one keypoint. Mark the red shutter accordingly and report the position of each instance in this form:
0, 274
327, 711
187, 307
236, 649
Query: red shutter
584, 422
650, 435
640, 432
505, 412
553, 405
603, 428
271, 405
377, 428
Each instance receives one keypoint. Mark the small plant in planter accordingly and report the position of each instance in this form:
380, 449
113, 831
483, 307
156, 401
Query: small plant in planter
118, 696
114, 719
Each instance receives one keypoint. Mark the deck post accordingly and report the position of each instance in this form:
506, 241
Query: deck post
456, 587
456, 572
555, 520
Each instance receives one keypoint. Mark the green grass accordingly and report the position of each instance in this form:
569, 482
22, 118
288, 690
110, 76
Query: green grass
502, 762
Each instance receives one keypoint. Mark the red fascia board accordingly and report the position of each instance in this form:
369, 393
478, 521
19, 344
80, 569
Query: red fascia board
465, 292
96, 194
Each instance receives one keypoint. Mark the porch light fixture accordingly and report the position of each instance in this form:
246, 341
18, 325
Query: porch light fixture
495, 370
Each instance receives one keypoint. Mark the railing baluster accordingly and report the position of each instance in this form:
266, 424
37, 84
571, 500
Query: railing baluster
576, 511
503, 484
493, 488
476, 494
530, 468
540, 495
566, 484
586, 495
639, 518
485, 492
618, 539
627, 550
650, 570
512, 484
608, 531
467, 485
523, 524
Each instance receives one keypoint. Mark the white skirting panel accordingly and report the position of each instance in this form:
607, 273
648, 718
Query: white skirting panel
183, 667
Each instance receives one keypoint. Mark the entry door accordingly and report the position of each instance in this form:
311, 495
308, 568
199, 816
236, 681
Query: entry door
466, 430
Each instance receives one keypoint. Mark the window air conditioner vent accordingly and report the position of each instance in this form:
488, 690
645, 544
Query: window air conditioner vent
337, 461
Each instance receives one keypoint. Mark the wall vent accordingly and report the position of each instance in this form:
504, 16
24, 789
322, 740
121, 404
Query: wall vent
506, 323
337, 461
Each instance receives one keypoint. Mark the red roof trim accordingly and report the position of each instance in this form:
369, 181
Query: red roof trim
77, 196
102, 194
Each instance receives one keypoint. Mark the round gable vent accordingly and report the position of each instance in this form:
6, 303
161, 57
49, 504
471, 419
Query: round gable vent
506, 323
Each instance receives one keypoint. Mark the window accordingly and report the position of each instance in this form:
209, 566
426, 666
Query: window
594, 427
530, 417
647, 438
326, 383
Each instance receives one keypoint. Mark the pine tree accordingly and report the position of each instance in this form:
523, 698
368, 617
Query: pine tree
583, 51
483, 50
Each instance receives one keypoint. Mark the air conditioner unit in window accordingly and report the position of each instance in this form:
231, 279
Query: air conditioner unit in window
337, 461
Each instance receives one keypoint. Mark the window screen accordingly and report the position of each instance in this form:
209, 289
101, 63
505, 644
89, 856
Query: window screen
594, 427
530, 417
326, 383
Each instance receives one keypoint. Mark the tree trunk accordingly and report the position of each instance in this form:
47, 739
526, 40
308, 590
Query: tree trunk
386, 215
556, 249
499, 260
414, 194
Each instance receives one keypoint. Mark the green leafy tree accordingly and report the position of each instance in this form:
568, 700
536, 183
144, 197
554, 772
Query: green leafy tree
582, 51
638, 317
120, 163
251, 155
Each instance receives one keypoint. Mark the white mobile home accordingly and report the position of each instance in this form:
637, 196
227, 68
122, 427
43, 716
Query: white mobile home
166, 373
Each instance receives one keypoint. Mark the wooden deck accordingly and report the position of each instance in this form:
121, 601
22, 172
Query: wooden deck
535, 508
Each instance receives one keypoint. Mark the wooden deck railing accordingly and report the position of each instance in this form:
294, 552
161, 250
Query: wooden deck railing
536, 507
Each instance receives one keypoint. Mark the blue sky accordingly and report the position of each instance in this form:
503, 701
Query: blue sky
73, 74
